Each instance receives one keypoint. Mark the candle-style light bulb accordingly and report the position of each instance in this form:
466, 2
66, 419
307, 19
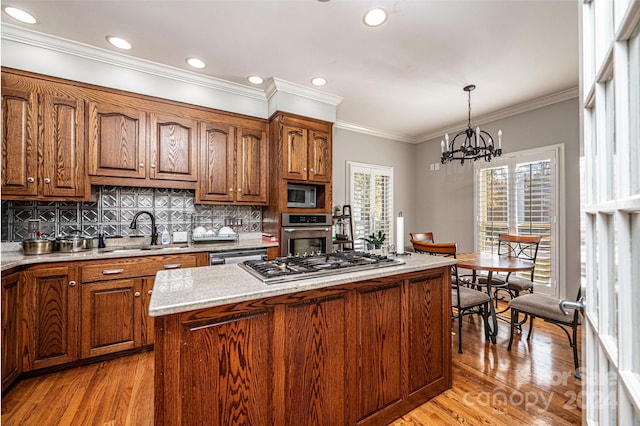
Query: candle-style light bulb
446, 139
477, 136
499, 139
442, 146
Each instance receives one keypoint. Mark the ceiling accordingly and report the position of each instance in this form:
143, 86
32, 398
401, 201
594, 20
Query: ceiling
404, 78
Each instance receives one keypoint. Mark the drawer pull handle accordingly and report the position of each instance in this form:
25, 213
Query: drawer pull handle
173, 266
112, 271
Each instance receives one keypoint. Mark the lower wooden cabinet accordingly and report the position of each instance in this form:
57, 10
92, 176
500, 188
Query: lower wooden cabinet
360, 353
11, 359
50, 316
111, 317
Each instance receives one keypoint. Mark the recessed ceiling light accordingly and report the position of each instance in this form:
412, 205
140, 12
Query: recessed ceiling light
375, 17
255, 79
318, 81
20, 15
118, 42
196, 63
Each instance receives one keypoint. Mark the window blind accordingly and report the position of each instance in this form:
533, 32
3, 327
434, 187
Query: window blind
371, 199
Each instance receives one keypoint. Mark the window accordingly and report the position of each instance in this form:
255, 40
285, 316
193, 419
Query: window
517, 194
370, 195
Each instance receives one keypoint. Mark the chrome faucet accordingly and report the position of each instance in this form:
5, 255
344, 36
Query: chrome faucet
154, 230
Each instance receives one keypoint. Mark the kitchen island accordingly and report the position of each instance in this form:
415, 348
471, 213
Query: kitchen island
355, 348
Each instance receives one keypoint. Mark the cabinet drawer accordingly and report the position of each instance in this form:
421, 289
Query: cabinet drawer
135, 267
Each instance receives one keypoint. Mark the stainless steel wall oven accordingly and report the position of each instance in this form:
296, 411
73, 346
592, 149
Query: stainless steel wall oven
305, 234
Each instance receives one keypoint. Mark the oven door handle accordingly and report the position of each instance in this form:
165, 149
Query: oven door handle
306, 229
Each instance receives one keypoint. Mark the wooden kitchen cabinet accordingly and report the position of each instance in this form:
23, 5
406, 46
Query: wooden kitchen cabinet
115, 301
233, 164
123, 152
42, 141
117, 137
50, 311
356, 353
111, 317
11, 359
174, 148
306, 149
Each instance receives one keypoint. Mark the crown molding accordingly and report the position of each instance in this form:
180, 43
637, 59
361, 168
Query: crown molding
276, 85
93, 53
374, 132
540, 102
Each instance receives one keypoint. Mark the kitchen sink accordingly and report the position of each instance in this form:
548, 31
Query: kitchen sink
147, 247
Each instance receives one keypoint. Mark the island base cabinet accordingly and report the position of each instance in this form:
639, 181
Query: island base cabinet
361, 353
11, 360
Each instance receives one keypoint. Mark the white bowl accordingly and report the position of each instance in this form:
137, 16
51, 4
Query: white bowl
226, 231
200, 230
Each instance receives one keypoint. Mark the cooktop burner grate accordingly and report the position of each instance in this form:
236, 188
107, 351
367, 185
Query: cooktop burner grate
284, 269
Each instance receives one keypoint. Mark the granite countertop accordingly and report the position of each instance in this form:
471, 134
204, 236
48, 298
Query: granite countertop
12, 255
183, 290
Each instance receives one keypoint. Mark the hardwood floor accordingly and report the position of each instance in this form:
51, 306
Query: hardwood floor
531, 385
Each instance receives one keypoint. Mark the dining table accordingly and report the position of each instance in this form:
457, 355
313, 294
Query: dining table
492, 263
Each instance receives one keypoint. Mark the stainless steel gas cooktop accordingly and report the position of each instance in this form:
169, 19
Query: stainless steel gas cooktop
283, 269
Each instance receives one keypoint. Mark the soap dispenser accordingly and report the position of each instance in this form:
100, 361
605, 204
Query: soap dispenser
166, 239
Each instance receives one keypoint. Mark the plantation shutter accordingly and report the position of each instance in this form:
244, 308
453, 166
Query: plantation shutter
518, 195
371, 198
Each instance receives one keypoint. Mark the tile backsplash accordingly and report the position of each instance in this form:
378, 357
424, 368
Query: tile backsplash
174, 209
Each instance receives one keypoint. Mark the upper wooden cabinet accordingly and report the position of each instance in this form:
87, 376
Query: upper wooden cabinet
233, 164
121, 147
117, 136
173, 148
307, 154
42, 140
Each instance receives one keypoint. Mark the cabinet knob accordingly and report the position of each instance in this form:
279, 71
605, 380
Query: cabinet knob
47, 180
239, 190
136, 294
150, 292
72, 283
153, 166
304, 169
312, 171
230, 189
141, 165
30, 180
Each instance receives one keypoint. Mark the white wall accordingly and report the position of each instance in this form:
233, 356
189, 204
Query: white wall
444, 198
353, 146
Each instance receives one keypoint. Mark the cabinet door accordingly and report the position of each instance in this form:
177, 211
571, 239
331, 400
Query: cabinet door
11, 362
110, 316
63, 173
251, 166
173, 148
295, 153
429, 339
315, 353
19, 148
116, 141
217, 174
319, 157
379, 362
50, 317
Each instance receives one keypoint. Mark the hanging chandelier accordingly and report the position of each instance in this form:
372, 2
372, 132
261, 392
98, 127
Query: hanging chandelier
472, 144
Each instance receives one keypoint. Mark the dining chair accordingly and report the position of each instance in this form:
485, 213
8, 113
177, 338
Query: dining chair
523, 247
420, 237
466, 301
547, 308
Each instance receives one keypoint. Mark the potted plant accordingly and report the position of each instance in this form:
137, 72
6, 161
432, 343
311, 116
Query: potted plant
375, 240
336, 210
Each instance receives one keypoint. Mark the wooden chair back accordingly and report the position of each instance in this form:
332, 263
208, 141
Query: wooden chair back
422, 236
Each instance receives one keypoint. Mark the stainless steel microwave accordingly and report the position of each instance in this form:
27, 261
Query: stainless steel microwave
301, 196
